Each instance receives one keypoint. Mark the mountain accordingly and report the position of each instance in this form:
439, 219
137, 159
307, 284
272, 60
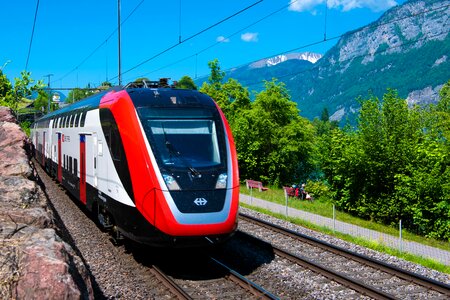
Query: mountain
272, 61
406, 49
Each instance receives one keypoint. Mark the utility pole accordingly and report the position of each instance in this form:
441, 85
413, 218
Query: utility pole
119, 52
49, 92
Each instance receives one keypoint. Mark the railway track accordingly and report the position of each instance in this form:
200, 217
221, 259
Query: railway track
369, 277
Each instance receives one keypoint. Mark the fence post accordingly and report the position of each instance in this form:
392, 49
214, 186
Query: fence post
286, 197
400, 236
334, 218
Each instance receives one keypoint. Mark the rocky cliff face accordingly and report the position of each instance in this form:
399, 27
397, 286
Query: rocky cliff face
406, 49
34, 262
400, 29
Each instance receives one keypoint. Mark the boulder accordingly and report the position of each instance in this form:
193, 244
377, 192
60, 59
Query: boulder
13, 157
49, 269
6, 115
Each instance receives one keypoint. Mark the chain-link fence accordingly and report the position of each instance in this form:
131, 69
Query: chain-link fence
395, 242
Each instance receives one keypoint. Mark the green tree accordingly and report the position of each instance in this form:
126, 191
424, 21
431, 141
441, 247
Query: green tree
217, 75
273, 142
186, 82
396, 165
230, 96
78, 94
12, 95
5, 85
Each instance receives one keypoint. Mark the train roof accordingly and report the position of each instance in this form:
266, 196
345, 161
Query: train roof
89, 103
141, 95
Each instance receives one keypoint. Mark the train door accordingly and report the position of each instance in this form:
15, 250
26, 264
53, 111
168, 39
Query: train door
102, 167
43, 147
95, 157
59, 161
82, 168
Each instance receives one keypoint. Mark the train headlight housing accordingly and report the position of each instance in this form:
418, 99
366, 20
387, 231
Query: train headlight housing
222, 181
171, 183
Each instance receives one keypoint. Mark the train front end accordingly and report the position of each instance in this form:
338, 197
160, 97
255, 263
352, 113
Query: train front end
193, 191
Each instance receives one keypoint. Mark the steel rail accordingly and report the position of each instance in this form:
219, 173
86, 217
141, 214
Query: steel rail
247, 284
418, 279
171, 284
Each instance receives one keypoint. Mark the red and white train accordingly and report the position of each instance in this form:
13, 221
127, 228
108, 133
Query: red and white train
157, 165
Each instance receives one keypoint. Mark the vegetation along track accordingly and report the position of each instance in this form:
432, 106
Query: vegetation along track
364, 274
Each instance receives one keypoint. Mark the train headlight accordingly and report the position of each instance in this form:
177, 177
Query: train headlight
171, 183
222, 181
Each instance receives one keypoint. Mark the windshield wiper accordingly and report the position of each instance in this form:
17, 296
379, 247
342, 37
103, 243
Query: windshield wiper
177, 154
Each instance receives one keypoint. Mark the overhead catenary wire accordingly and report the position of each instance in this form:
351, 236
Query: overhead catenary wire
220, 42
102, 43
32, 34
191, 37
373, 25
377, 52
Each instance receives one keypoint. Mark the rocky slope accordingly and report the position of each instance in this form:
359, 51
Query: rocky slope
406, 49
34, 262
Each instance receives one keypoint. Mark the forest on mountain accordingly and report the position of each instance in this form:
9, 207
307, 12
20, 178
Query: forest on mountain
394, 164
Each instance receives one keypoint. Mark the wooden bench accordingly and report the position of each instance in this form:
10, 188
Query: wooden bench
255, 185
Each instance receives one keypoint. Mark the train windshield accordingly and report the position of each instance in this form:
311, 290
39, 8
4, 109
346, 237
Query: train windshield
189, 141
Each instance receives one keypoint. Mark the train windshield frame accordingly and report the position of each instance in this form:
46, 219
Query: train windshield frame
184, 138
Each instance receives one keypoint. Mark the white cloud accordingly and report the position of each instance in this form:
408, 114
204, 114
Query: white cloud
249, 37
344, 5
303, 5
222, 39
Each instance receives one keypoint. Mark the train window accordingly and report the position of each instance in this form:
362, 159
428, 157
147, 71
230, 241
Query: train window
83, 119
115, 143
70, 164
75, 167
63, 120
193, 141
76, 120
72, 120
64, 161
100, 148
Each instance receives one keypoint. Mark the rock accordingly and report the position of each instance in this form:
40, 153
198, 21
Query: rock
13, 157
48, 269
6, 115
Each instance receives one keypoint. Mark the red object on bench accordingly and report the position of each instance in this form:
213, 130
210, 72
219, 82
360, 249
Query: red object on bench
255, 184
290, 191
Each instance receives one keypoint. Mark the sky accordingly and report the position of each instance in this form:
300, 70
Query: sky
76, 42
